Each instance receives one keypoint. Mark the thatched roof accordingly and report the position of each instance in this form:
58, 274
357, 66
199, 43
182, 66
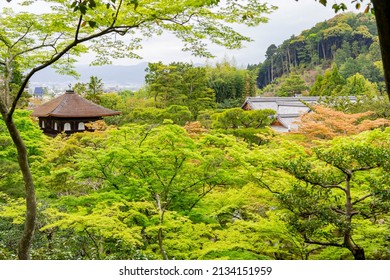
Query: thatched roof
71, 105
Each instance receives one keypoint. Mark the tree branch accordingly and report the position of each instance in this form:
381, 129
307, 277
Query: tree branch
116, 13
329, 186
325, 186
362, 198
201, 196
76, 34
22, 37
339, 211
39, 47
267, 187
183, 22
364, 168
148, 131
94, 242
178, 165
354, 213
5, 41
55, 59
323, 243
111, 29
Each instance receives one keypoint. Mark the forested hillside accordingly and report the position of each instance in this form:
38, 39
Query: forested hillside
348, 40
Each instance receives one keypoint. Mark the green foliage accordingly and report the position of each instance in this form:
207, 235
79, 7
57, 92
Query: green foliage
250, 226
114, 202
231, 85
379, 105
343, 53
344, 184
178, 114
347, 38
358, 85
95, 89
248, 125
364, 65
10, 177
149, 115
179, 84
342, 7
239, 118
257, 136
294, 85
148, 179
146, 115
92, 90
331, 82
154, 192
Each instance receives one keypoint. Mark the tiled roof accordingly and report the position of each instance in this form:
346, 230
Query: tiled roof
71, 105
288, 109
257, 102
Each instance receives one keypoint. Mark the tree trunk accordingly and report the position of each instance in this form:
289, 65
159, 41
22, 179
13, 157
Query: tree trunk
324, 46
288, 59
295, 58
29, 224
382, 15
357, 252
160, 235
161, 244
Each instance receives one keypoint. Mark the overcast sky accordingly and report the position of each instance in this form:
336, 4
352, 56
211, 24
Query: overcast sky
291, 18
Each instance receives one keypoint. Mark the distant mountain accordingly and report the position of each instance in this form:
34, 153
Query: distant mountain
132, 76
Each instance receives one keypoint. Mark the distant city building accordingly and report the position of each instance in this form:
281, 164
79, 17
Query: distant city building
288, 109
38, 92
69, 113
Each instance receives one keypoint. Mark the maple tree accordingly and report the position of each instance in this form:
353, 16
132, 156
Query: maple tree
327, 123
341, 185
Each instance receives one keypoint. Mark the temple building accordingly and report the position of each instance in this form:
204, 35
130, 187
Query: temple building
288, 109
69, 113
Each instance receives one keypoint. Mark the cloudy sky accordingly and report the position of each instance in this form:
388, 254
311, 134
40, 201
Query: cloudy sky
291, 18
